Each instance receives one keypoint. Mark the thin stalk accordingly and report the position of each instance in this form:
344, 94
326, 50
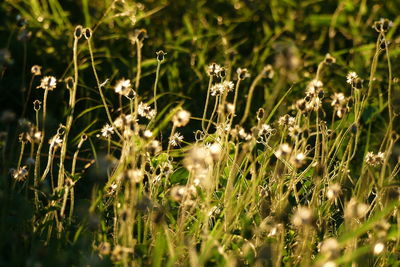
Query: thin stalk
37, 160
72, 98
155, 85
139, 45
99, 86
206, 105
250, 96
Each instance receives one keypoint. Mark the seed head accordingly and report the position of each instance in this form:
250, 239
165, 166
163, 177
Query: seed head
36, 70
329, 59
87, 32
160, 56
382, 25
242, 73
78, 32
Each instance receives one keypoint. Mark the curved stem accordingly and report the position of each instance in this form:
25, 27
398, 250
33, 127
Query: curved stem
99, 86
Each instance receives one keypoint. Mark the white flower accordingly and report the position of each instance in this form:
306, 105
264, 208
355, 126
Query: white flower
176, 139
351, 76
181, 118
48, 83
229, 86
214, 69
107, 131
144, 110
124, 87
283, 151
217, 89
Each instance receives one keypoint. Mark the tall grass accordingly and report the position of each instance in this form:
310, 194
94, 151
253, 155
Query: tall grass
225, 150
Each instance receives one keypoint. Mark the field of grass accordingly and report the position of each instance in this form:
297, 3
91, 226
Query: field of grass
199, 133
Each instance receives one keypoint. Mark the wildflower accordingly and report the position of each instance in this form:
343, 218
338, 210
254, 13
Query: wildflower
382, 25
303, 216
123, 121
265, 130
378, 248
355, 210
181, 118
351, 76
339, 102
330, 248
21, 174
160, 56
36, 70
123, 87
197, 159
298, 160
333, 191
146, 134
242, 73
215, 150
338, 99
176, 139
283, 151
48, 83
214, 69
286, 120
228, 85
56, 141
301, 105
353, 79
268, 71
107, 131
145, 110
217, 89
375, 159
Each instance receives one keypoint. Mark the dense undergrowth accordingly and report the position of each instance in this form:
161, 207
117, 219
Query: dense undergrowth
199, 133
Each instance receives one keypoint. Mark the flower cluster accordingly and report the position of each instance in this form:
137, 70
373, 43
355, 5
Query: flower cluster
375, 159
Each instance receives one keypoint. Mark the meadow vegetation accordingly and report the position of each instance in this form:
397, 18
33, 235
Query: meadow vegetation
199, 133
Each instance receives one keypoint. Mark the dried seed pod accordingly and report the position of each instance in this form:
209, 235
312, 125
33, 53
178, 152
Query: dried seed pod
78, 32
